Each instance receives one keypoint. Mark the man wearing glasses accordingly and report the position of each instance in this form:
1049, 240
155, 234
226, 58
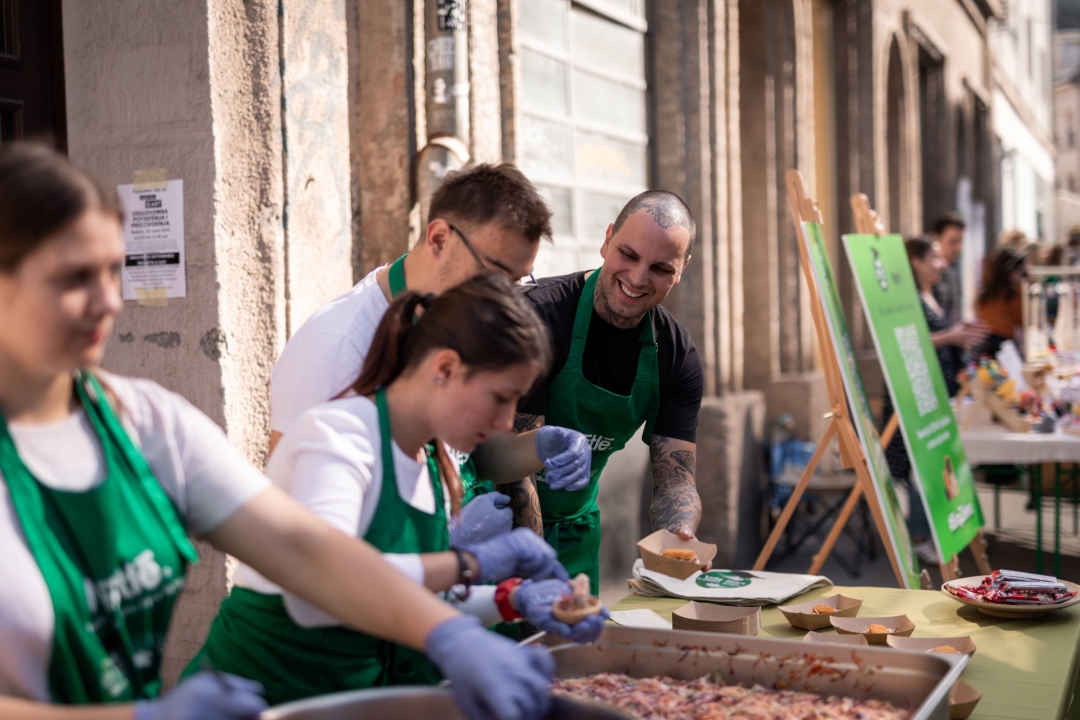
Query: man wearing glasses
620, 361
486, 219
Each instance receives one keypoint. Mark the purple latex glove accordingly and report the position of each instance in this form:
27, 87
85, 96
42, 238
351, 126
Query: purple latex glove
492, 678
521, 553
566, 455
482, 518
206, 696
534, 601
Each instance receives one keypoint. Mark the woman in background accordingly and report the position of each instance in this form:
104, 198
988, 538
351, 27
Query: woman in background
999, 303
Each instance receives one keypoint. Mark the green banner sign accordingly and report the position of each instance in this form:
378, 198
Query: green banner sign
939, 466
861, 416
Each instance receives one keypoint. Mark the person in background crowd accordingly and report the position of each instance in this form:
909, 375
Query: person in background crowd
488, 218
1072, 248
950, 339
452, 368
103, 478
621, 361
948, 234
999, 303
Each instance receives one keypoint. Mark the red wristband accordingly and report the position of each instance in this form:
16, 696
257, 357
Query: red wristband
503, 591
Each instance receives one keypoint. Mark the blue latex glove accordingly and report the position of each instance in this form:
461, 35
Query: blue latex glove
483, 518
566, 455
534, 600
206, 696
521, 553
492, 678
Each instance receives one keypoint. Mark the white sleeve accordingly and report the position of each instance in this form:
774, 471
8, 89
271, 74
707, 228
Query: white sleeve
330, 473
190, 455
308, 373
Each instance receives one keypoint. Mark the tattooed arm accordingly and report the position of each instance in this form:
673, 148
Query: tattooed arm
675, 502
523, 498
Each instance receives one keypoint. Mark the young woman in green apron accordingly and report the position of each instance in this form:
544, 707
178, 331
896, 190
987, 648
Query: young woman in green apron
367, 464
561, 453
102, 478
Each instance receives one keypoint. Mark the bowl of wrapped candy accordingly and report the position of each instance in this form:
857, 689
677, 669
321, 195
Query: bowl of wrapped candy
1010, 593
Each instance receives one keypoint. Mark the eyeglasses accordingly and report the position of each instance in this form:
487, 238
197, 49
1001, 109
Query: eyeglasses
527, 281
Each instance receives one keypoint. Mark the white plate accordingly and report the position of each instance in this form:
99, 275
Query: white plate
1009, 611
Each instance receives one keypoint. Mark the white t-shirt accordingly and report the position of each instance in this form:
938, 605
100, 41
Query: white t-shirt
330, 461
326, 354
205, 476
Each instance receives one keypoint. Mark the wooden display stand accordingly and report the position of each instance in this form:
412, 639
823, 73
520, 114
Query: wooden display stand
868, 222
840, 425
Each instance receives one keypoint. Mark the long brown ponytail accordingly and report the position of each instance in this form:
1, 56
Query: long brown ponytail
485, 320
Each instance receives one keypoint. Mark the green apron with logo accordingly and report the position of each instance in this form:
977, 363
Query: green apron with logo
113, 558
254, 637
572, 519
466, 468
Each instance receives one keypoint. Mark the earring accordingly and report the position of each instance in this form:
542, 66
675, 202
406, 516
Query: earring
439, 381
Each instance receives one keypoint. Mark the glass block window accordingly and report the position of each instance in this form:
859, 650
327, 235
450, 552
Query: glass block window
584, 136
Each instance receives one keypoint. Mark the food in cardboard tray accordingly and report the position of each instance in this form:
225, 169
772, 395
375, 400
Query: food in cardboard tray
947, 649
875, 628
664, 698
681, 554
1010, 587
822, 609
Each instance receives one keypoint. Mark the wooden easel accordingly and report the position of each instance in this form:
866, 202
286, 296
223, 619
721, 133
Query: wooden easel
868, 222
805, 209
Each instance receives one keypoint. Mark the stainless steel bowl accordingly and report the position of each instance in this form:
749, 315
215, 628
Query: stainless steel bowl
414, 703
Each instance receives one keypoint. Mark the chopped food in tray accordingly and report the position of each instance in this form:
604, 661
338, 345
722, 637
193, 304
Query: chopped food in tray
823, 609
664, 698
947, 649
1010, 587
875, 628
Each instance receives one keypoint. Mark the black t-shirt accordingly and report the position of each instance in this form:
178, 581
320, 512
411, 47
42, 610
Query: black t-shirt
611, 357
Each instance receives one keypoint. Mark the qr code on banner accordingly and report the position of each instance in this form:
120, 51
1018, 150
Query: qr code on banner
907, 337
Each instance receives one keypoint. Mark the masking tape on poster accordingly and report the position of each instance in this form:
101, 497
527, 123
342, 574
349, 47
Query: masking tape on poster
150, 180
151, 297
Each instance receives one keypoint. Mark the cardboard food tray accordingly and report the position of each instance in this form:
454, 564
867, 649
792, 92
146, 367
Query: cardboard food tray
859, 626
800, 615
835, 639
920, 681
965, 645
652, 546
710, 617
962, 700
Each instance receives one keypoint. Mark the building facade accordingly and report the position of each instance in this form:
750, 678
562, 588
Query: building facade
309, 132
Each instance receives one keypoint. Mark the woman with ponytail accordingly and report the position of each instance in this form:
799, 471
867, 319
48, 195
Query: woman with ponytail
442, 371
103, 478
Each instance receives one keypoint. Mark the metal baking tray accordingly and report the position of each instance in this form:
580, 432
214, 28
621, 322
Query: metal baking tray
414, 703
915, 680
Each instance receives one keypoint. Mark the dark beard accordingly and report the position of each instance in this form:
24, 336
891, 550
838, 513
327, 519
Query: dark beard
603, 308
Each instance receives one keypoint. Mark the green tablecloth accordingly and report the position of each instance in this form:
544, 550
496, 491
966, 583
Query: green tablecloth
1023, 668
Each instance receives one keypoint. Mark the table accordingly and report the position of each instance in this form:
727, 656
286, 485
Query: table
995, 445
1024, 668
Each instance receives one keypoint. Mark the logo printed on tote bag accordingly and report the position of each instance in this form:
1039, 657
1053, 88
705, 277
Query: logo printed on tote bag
723, 580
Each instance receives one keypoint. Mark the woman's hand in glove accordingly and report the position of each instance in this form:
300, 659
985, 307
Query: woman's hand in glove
484, 517
534, 601
566, 455
521, 553
206, 696
492, 678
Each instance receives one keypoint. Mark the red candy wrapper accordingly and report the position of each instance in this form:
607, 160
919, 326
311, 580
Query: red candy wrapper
1015, 588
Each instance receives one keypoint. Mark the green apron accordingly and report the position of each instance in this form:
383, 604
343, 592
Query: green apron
466, 468
113, 558
254, 637
572, 519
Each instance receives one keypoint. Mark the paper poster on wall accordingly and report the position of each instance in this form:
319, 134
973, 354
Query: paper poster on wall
913, 375
154, 238
861, 416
